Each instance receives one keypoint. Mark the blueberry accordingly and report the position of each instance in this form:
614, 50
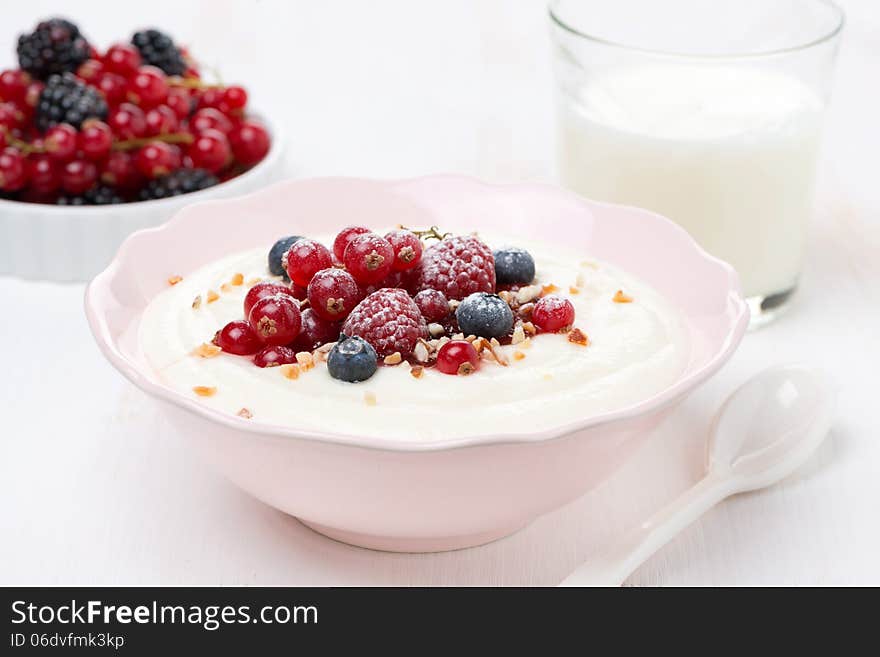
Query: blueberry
352, 360
513, 265
485, 315
279, 249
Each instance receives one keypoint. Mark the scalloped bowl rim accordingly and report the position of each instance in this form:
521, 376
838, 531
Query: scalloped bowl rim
669, 395
276, 149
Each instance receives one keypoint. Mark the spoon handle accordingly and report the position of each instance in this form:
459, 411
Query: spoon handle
617, 562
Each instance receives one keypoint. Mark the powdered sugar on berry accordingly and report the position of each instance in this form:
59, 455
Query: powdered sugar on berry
635, 350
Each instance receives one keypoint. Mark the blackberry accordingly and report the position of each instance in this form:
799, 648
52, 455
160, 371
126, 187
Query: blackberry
55, 46
157, 49
66, 99
182, 181
99, 195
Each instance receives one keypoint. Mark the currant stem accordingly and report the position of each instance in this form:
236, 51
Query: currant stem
432, 233
25, 147
170, 138
191, 83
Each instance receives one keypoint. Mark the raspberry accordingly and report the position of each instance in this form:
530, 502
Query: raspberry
457, 266
389, 320
433, 305
553, 313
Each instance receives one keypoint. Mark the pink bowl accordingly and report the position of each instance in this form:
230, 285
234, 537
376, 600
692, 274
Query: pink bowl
426, 495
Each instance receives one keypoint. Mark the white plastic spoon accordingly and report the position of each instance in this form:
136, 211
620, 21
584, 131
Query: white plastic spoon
764, 431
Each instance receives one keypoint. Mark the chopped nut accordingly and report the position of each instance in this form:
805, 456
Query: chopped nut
579, 281
326, 348
206, 350
245, 413
197, 302
529, 328
453, 305
174, 280
420, 352
620, 297
205, 391
393, 359
574, 290
525, 310
435, 329
290, 371
494, 348
578, 337
417, 371
548, 289
518, 355
237, 279
226, 288
465, 368
528, 293
212, 296
436, 344
526, 344
589, 264
305, 360
253, 281
458, 336
519, 335
470, 338
548, 377
370, 398
506, 296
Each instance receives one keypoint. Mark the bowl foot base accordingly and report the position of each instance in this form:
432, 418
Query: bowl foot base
411, 544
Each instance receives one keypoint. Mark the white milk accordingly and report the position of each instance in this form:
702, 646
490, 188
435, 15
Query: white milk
727, 152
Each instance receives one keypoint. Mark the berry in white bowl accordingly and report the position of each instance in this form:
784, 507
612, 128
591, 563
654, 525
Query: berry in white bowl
402, 451
98, 144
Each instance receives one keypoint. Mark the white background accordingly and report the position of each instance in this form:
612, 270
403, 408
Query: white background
96, 489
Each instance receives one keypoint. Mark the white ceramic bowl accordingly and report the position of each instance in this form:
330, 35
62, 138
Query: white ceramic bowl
69, 244
418, 495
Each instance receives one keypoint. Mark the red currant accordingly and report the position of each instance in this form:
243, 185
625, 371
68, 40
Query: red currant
304, 259
298, 292
276, 319
209, 118
235, 98
275, 356
157, 159
368, 257
13, 170
14, 84
344, 237
250, 142
210, 98
89, 70
553, 313
43, 174
128, 121
315, 331
78, 176
162, 120
261, 291
433, 304
457, 357
122, 59
333, 293
179, 101
95, 139
113, 87
148, 87
120, 171
407, 249
32, 95
210, 150
11, 117
60, 142
239, 338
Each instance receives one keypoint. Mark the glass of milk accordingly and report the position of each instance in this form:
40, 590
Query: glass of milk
706, 111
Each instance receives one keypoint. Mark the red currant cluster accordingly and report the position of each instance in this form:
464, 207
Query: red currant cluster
106, 129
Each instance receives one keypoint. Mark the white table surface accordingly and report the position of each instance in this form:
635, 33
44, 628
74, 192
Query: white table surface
96, 489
